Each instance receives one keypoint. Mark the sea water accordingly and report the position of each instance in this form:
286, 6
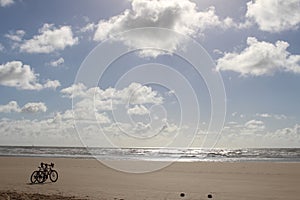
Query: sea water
157, 154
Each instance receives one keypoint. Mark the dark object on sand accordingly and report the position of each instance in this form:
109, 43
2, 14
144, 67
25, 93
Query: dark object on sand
45, 171
209, 196
182, 194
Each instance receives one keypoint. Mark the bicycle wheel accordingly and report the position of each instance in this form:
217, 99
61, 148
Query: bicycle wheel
33, 178
40, 177
53, 175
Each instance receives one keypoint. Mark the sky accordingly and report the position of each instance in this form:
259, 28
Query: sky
150, 73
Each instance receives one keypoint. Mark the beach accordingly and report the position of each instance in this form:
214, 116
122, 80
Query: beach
89, 179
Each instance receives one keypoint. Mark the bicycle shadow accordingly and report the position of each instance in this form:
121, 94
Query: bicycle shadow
45, 183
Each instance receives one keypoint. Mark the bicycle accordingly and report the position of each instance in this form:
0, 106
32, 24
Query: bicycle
45, 171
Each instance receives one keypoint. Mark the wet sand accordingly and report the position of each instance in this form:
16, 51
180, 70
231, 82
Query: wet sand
89, 179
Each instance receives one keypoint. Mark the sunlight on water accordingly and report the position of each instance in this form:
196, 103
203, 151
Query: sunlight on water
158, 154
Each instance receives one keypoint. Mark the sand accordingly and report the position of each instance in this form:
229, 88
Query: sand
89, 179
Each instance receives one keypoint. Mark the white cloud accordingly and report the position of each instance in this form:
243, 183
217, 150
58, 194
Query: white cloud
76, 90
102, 118
254, 134
138, 110
91, 104
57, 62
255, 125
280, 117
52, 131
169, 127
88, 115
274, 116
293, 132
95, 105
10, 107
218, 52
60, 130
274, 16
260, 58
51, 84
134, 94
19, 75
181, 16
16, 36
140, 94
140, 128
263, 115
88, 28
161, 135
251, 127
50, 39
32, 107
4, 3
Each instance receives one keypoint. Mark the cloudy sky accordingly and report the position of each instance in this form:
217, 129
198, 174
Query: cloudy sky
151, 95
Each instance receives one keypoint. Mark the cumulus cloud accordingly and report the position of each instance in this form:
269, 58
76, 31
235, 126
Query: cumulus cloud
280, 117
32, 107
88, 28
140, 94
10, 107
51, 131
252, 127
75, 90
49, 39
58, 62
4, 3
134, 94
60, 130
140, 128
102, 118
255, 125
255, 134
92, 103
275, 116
260, 58
138, 110
263, 115
16, 36
181, 16
89, 102
162, 135
21, 76
112, 107
51, 84
93, 107
274, 16
290, 132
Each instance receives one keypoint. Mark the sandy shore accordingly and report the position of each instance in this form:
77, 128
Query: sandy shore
89, 179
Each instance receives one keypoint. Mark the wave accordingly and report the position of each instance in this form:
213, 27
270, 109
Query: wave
157, 154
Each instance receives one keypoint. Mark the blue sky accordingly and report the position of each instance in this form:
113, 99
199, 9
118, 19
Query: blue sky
254, 48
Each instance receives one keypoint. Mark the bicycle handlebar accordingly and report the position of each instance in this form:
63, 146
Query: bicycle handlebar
46, 164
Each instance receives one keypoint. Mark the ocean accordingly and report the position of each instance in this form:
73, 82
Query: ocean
157, 154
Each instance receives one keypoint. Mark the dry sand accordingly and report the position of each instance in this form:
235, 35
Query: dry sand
89, 179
